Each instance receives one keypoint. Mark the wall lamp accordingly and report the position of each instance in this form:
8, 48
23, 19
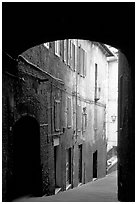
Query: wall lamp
113, 117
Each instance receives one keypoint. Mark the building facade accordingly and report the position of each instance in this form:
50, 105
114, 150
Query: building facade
112, 105
54, 118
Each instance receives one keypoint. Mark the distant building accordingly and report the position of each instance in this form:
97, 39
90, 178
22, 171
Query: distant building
112, 105
54, 118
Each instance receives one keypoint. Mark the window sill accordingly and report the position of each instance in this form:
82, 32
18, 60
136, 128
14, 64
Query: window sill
94, 179
56, 54
68, 186
80, 184
57, 190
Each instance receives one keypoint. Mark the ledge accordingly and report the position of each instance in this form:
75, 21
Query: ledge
68, 187
57, 190
80, 184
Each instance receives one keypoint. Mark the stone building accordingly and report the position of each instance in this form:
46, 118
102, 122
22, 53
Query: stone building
112, 105
54, 115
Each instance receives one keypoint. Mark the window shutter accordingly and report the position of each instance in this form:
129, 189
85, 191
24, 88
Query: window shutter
57, 115
65, 50
79, 118
85, 63
96, 80
62, 49
69, 53
68, 112
84, 120
81, 61
57, 48
78, 67
73, 56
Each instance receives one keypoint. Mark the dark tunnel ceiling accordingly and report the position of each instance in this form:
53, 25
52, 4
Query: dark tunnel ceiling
25, 25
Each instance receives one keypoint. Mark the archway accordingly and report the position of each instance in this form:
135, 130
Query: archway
26, 158
122, 39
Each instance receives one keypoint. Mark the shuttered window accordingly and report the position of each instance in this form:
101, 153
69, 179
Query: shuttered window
57, 115
73, 56
85, 64
68, 112
57, 48
78, 68
66, 49
79, 125
62, 49
69, 53
82, 62
84, 120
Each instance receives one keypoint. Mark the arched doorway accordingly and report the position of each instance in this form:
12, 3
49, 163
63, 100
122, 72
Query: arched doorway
26, 158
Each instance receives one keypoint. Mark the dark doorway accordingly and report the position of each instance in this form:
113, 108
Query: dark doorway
68, 166
26, 179
95, 165
80, 163
55, 164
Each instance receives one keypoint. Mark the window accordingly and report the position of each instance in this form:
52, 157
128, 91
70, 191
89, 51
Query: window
84, 120
66, 46
82, 62
62, 49
97, 90
57, 48
79, 118
46, 45
73, 57
78, 69
85, 63
80, 163
57, 115
68, 166
68, 112
69, 53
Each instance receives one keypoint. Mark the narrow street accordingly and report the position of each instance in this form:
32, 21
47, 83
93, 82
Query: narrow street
101, 190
